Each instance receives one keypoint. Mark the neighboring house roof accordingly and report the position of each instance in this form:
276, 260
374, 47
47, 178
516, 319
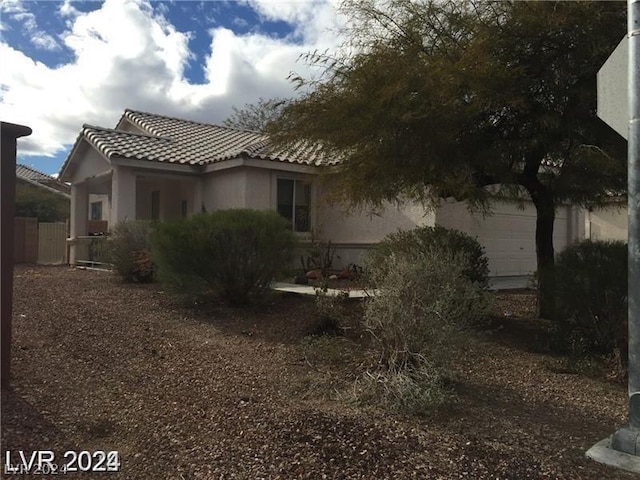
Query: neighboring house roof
178, 141
42, 180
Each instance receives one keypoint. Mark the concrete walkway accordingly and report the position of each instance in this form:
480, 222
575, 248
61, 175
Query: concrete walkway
495, 283
308, 290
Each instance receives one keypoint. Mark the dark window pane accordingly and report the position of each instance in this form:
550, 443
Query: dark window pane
302, 218
155, 205
303, 193
285, 191
285, 198
96, 211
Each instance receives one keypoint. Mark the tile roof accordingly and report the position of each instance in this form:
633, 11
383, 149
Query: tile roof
22, 171
186, 142
35, 177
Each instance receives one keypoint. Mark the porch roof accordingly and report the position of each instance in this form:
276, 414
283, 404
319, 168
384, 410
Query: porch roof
178, 141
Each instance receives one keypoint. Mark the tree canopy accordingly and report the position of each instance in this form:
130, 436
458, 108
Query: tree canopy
32, 201
444, 98
255, 116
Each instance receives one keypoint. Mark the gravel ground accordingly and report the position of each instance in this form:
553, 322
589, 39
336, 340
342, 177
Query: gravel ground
185, 393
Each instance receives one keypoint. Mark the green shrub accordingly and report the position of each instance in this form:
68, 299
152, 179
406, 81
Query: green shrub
422, 304
416, 391
234, 254
591, 286
417, 319
453, 242
332, 313
128, 249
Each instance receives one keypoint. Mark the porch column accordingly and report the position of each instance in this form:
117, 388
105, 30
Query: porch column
198, 198
123, 195
78, 221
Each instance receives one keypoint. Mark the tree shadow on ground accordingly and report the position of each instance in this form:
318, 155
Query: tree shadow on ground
280, 318
25, 428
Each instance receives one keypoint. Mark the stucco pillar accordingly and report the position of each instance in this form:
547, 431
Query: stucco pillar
78, 221
123, 195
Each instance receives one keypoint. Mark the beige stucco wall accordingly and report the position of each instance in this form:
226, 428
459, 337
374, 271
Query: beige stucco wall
242, 187
609, 223
335, 223
258, 188
172, 192
224, 189
92, 164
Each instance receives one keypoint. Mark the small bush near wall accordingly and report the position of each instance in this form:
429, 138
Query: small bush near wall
417, 319
128, 249
591, 285
452, 242
231, 253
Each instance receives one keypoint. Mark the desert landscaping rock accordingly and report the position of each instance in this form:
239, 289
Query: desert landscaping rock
213, 393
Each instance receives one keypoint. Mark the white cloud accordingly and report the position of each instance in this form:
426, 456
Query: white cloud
314, 21
9, 7
44, 41
67, 9
16, 10
126, 55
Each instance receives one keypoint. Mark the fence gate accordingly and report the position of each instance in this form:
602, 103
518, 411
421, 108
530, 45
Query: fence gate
52, 242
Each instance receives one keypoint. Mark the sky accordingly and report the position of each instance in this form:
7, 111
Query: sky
68, 63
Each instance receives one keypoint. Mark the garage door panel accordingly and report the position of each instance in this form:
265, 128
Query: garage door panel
508, 236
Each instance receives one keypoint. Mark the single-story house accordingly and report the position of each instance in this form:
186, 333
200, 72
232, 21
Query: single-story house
157, 167
30, 176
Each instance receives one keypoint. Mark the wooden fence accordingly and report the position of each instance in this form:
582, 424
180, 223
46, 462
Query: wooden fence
40, 242
25, 245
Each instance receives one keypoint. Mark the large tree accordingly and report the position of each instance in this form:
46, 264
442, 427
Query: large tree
256, 116
473, 100
46, 206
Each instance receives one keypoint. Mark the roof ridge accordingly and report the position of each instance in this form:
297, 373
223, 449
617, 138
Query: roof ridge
124, 132
224, 127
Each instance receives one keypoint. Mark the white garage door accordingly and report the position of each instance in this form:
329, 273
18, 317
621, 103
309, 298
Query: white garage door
508, 235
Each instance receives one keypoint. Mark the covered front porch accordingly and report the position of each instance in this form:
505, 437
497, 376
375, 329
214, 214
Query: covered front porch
128, 193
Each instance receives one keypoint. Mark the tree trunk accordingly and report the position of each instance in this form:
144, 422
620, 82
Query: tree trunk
545, 209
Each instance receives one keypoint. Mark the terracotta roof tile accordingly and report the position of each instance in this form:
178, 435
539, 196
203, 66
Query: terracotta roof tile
22, 171
174, 140
34, 176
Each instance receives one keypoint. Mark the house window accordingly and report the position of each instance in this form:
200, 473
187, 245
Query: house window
183, 208
294, 198
96, 211
155, 205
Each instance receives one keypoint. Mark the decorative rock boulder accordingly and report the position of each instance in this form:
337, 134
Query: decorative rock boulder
314, 275
346, 274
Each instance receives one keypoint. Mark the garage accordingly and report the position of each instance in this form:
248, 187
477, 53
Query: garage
508, 235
